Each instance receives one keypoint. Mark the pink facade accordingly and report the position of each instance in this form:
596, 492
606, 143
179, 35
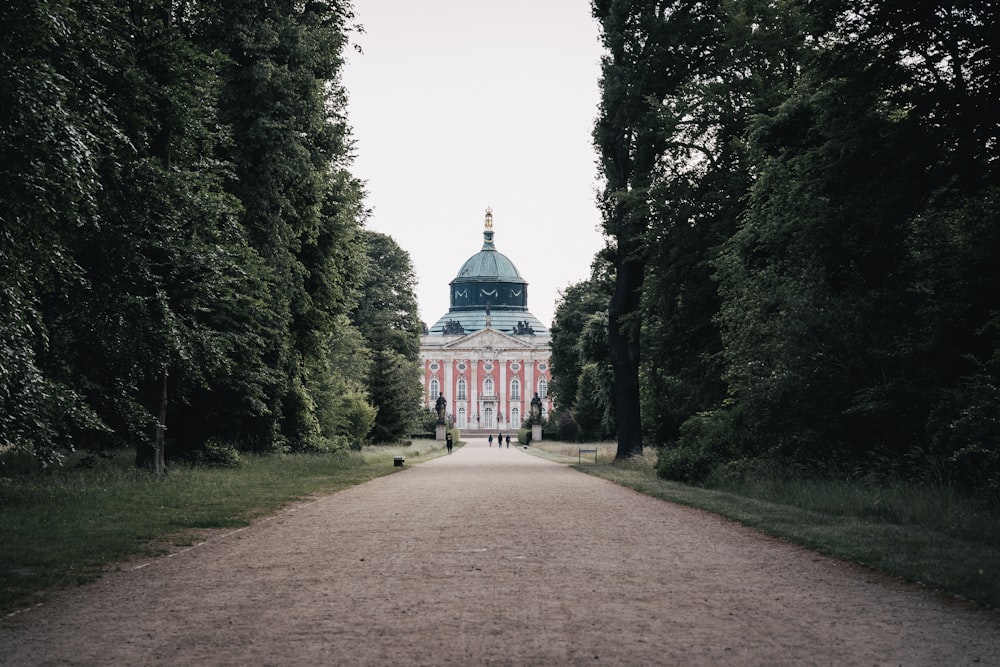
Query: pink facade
488, 356
487, 392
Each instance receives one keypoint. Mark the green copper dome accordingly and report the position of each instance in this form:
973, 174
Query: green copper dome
488, 264
488, 284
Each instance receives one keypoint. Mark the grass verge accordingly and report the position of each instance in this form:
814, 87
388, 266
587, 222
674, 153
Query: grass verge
67, 526
925, 535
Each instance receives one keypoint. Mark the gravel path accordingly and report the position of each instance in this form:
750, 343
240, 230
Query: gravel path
499, 558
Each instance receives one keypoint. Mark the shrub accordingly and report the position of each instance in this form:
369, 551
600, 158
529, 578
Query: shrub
964, 430
219, 453
704, 444
353, 419
566, 425
745, 470
330, 445
684, 464
425, 426
550, 430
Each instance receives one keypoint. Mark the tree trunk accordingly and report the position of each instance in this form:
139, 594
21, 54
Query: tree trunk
159, 462
161, 149
623, 343
150, 454
156, 62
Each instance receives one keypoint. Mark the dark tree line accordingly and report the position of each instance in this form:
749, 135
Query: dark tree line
182, 248
801, 202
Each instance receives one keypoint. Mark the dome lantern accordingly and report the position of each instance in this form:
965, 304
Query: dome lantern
488, 230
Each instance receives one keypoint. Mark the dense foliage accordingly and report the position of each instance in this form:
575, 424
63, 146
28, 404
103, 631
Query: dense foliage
386, 315
582, 378
181, 240
806, 263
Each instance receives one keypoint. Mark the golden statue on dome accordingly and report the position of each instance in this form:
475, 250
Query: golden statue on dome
489, 218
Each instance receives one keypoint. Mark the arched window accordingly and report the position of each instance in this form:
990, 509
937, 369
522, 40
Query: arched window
488, 387
488, 418
461, 389
515, 390
543, 388
515, 418
461, 418
435, 389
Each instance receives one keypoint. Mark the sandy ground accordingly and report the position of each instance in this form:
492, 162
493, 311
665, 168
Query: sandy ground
498, 558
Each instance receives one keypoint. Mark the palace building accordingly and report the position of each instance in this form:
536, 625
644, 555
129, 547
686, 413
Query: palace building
488, 356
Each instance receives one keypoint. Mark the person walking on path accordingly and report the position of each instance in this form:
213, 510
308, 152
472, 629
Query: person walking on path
491, 439
448, 442
508, 441
499, 439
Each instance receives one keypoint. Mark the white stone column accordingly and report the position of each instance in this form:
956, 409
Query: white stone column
529, 377
473, 390
448, 361
502, 393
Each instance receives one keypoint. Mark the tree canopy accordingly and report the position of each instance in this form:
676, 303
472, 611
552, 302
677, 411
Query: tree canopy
802, 198
182, 245
386, 314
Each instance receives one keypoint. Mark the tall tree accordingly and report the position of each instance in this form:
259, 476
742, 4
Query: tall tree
284, 105
800, 192
847, 324
651, 48
594, 407
577, 303
386, 315
54, 125
698, 198
169, 274
169, 247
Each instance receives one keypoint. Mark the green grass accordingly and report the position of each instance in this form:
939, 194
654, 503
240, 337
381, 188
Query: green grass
928, 534
68, 525
568, 452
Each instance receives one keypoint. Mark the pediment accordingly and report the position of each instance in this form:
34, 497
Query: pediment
487, 339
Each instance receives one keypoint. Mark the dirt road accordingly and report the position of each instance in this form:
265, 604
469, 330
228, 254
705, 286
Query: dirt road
495, 557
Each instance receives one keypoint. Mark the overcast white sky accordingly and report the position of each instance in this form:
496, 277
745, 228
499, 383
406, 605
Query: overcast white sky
458, 105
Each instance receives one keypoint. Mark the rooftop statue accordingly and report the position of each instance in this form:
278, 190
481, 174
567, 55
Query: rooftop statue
453, 328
